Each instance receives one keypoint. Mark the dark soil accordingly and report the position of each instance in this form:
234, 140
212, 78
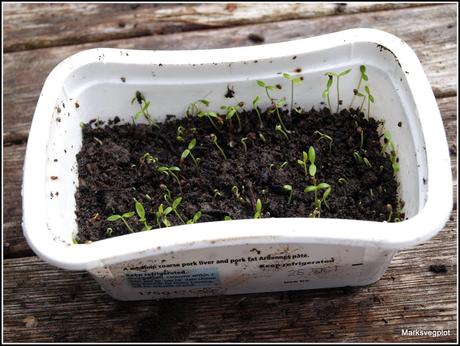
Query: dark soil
112, 172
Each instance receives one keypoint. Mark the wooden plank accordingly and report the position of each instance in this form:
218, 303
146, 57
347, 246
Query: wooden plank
431, 32
42, 303
31, 26
15, 245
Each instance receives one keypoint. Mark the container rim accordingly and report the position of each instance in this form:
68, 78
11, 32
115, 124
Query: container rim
424, 225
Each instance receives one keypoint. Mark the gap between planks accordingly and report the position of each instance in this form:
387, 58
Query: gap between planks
431, 33
34, 26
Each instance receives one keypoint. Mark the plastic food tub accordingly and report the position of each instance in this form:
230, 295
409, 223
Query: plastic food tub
240, 256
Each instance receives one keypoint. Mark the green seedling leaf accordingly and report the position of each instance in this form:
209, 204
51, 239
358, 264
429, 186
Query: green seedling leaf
192, 144
176, 202
185, 153
287, 187
312, 170
227, 218
128, 215
311, 188
140, 210
344, 73
167, 210
311, 154
114, 217
323, 186
261, 84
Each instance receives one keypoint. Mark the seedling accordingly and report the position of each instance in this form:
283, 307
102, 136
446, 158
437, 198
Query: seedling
390, 212
312, 158
275, 104
109, 232
254, 105
303, 162
279, 128
144, 105
294, 81
214, 141
148, 158
169, 171
188, 152
232, 111
343, 181
210, 116
323, 136
195, 218
288, 188
361, 159
362, 70
123, 218
162, 216
318, 201
237, 193
180, 133
262, 137
141, 214
387, 143
329, 84
283, 165
243, 141
227, 218
193, 109
258, 212
217, 193
174, 206
370, 99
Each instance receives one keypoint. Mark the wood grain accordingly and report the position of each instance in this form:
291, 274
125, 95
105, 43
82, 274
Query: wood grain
31, 26
14, 244
25, 72
69, 306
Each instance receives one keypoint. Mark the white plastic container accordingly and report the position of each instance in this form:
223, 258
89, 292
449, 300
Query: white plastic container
240, 256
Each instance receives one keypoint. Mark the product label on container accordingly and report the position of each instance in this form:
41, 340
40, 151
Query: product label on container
203, 277
236, 269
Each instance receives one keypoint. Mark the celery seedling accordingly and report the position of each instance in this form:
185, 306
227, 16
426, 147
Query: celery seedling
141, 214
275, 104
227, 218
144, 105
323, 136
237, 193
254, 105
169, 171
362, 160
147, 157
180, 133
318, 201
312, 158
294, 81
243, 141
328, 87
387, 143
258, 212
280, 129
188, 152
329, 84
162, 214
343, 181
362, 70
232, 111
303, 162
262, 137
289, 189
370, 99
210, 116
193, 109
123, 218
214, 141
174, 206
195, 218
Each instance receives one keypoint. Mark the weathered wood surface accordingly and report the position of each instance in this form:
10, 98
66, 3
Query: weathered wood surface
14, 244
43, 303
431, 32
31, 26
70, 306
